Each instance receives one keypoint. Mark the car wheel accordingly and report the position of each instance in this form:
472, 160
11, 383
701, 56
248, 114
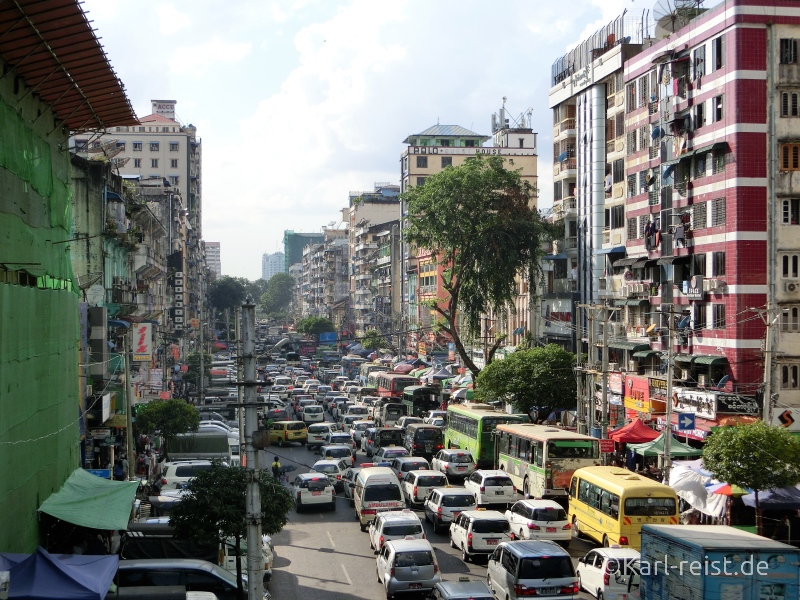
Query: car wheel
576, 531
606, 543
333, 505
526, 492
302, 442
599, 594
298, 506
452, 543
464, 554
489, 583
355, 512
363, 527
580, 583
280, 442
378, 575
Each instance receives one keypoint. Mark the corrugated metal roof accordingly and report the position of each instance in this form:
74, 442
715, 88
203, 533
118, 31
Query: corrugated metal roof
50, 44
447, 131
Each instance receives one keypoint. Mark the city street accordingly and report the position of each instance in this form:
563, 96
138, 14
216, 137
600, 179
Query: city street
324, 555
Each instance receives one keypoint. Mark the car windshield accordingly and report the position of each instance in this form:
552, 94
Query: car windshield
649, 507
459, 500
486, 526
546, 567
420, 558
403, 529
431, 481
549, 514
498, 482
382, 492
460, 458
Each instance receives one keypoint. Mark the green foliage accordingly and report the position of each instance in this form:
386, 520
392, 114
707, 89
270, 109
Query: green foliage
214, 508
227, 292
479, 220
373, 340
277, 294
756, 456
539, 378
170, 417
193, 362
315, 326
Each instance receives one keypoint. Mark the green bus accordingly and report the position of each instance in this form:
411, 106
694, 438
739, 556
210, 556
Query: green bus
471, 427
419, 399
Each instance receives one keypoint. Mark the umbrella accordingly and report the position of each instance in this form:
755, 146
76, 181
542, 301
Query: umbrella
727, 489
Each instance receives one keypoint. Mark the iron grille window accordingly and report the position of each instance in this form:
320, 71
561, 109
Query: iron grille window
173, 146
700, 165
719, 316
643, 221
718, 263
620, 125
631, 185
644, 137
631, 142
788, 50
791, 211
719, 160
700, 216
137, 146
630, 93
789, 107
618, 168
718, 212
633, 229
154, 146
790, 318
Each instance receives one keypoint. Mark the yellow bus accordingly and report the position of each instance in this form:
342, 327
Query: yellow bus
610, 505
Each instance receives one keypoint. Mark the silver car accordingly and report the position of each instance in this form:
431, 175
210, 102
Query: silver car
407, 566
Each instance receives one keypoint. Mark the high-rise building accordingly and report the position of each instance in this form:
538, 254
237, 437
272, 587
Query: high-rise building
213, 259
293, 244
272, 264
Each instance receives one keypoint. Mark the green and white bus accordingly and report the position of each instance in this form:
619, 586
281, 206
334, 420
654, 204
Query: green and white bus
471, 427
541, 459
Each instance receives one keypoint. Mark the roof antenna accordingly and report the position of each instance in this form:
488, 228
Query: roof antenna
437, 120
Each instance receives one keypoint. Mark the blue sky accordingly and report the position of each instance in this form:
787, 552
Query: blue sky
299, 102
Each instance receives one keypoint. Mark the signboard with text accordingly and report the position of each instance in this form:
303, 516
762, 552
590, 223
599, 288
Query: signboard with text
142, 342
606, 446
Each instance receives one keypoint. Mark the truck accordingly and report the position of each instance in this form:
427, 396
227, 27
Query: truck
210, 446
713, 562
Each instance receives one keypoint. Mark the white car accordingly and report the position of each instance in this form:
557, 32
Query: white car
333, 469
317, 432
605, 572
434, 414
313, 489
491, 487
388, 453
404, 464
394, 525
478, 532
357, 430
444, 504
417, 484
454, 462
313, 413
340, 437
404, 422
539, 520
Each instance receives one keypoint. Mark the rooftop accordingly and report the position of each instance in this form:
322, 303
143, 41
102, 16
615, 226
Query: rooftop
447, 131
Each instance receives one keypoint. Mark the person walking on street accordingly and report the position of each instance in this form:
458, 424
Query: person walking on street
276, 468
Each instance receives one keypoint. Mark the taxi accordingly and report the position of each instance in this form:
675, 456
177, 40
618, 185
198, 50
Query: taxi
478, 532
444, 504
606, 572
313, 489
333, 470
394, 525
454, 462
316, 434
465, 588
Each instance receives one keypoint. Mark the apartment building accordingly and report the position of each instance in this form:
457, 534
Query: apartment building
272, 264
214, 259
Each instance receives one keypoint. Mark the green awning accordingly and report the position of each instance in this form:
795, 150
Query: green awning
656, 448
643, 354
710, 359
632, 346
91, 501
684, 358
637, 302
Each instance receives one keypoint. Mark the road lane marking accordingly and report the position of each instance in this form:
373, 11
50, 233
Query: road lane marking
346, 576
330, 537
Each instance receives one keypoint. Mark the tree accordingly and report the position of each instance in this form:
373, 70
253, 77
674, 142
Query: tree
193, 362
214, 508
227, 292
315, 326
278, 294
756, 456
170, 417
479, 221
540, 378
373, 340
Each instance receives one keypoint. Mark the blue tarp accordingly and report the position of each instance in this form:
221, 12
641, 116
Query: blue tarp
45, 576
782, 499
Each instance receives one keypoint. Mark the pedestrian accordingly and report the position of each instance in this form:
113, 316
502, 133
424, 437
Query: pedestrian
125, 466
118, 470
276, 468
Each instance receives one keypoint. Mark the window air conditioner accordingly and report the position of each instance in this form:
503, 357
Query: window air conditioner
792, 286
613, 366
702, 378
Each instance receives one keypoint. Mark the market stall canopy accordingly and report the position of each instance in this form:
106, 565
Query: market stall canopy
634, 432
91, 501
690, 486
45, 576
403, 368
656, 448
787, 498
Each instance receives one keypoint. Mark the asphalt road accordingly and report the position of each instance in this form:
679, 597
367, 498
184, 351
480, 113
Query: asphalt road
323, 555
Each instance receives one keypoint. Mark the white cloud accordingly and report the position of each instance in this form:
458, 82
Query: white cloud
171, 20
197, 59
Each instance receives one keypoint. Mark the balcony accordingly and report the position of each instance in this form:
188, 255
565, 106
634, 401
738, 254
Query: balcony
563, 286
383, 260
567, 167
571, 242
427, 289
611, 287
363, 277
567, 125
369, 246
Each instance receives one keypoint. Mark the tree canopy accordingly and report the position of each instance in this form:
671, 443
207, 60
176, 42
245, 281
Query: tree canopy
170, 417
278, 294
315, 325
214, 507
756, 456
193, 372
479, 221
540, 378
373, 340
227, 292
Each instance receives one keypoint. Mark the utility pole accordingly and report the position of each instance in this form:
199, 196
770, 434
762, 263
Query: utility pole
667, 460
129, 450
202, 380
580, 417
247, 360
604, 391
591, 365
239, 378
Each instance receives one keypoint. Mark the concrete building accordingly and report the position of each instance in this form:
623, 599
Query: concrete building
272, 264
293, 244
214, 259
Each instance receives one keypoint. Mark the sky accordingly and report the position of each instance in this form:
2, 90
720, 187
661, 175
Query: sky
299, 102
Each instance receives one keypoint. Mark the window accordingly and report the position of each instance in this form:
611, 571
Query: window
719, 316
630, 95
469, 143
790, 319
619, 127
154, 146
173, 146
717, 212
643, 221
699, 264
718, 264
173, 180
154, 163
618, 168
716, 108
615, 217
643, 182
699, 216
633, 229
444, 142
789, 262
789, 104
557, 191
137, 146
719, 158
137, 163
421, 180
699, 316
791, 211
699, 115
631, 186
644, 137
422, 162
173, 163
700, 165
699, 62
631, 145
790, 157
447, 161
788, 50
789, 376
121, 145
718, 53
141, 129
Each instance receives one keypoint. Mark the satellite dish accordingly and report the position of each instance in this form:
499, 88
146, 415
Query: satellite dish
95, 294
657, 133
562, 157
673, 15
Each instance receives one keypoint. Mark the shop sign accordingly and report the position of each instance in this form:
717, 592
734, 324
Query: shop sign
106, 408
658, 388
694, 434
737, 405
100, 432
104, 473
690, 400
615, 382
788, 418
637, 394
422, 349
693, 288
606, 446
142, 342
116, 421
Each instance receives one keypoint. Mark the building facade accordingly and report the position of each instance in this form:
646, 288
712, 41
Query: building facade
293, 245
214, 259
272, 264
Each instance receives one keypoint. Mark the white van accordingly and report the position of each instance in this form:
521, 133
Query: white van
376, 490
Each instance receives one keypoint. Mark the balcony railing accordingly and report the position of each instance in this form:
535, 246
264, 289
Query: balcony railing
561, 286
571, 242
565, 165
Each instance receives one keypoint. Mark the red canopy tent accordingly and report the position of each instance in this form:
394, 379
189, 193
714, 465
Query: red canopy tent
634, 432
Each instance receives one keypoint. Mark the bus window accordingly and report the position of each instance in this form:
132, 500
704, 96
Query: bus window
524, 446
649, 507
537, 453
502, 443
